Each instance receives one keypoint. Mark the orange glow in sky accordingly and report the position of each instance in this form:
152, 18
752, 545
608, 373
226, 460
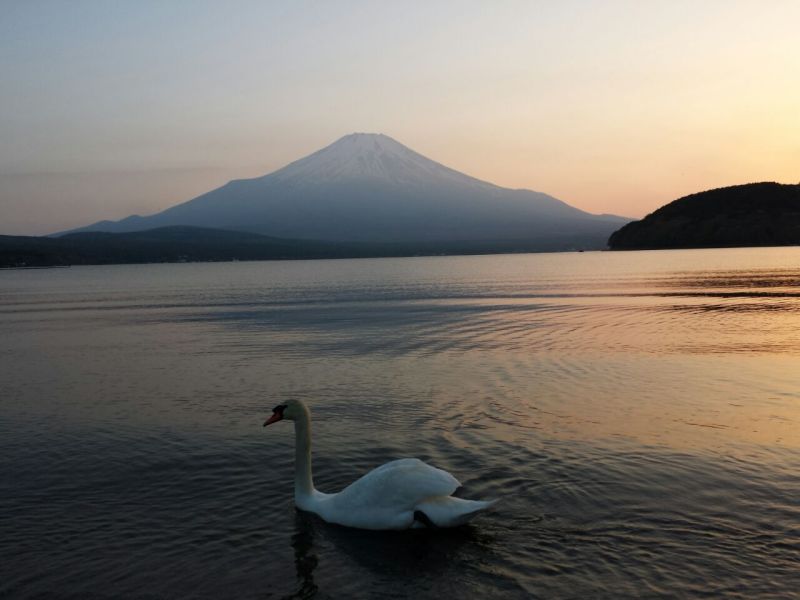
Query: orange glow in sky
616, 107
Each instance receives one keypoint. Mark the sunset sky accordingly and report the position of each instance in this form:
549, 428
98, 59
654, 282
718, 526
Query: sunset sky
114, 108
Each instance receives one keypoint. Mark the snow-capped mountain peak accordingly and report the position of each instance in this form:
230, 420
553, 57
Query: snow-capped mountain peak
367, 187
370, 156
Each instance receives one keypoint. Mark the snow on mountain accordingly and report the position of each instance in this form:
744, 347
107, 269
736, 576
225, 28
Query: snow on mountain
365, 156
370, 188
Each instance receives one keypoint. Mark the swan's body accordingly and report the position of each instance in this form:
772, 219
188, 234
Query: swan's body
401, 494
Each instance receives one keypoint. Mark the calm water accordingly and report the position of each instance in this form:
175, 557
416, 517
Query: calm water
637, 413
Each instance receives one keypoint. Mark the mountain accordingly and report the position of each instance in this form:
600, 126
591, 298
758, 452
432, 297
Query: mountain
164, 244
195, 244
370, 188
754, 214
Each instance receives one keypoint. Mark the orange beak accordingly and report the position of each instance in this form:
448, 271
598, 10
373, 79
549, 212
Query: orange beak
276, 416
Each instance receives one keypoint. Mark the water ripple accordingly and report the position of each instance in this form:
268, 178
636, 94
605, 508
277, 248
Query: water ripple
635, 414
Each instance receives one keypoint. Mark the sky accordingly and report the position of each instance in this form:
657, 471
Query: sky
111, 108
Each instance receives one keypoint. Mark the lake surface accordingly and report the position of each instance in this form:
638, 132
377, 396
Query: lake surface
638, 415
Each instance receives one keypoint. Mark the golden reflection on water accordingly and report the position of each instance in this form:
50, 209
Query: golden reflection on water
692, 349
707, 405
686, 360
637, 413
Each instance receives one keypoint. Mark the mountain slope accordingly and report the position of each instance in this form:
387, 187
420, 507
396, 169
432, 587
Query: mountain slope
370, 188
164, 244
754, 214
196, 244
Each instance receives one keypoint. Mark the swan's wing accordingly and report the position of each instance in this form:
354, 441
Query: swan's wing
398, 485
448, 511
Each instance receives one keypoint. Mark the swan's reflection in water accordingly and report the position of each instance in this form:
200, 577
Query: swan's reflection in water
647, 403
390, 555
305, 559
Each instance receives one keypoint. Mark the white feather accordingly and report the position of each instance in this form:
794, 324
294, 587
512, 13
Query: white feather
386, 497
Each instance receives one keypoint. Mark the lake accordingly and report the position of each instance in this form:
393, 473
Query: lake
637, 414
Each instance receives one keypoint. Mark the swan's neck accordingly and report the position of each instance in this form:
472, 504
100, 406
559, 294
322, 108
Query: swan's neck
303, 483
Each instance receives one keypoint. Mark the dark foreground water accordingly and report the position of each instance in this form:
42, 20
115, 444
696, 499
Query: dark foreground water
638, 415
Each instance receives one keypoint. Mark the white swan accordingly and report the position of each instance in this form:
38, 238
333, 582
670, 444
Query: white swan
401, 494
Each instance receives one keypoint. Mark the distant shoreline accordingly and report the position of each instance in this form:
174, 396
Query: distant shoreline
195, 244
36, 267
301, 258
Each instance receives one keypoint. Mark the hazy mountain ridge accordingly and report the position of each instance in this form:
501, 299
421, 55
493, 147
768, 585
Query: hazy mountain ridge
753, 214
165, 244
195, 244
370, 188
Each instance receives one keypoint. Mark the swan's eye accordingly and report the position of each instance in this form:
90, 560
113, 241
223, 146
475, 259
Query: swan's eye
279, 409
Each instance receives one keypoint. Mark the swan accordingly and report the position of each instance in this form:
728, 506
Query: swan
402, 494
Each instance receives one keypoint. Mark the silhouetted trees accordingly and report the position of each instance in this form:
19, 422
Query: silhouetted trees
754, 214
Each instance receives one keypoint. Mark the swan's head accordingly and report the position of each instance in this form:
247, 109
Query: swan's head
291, 410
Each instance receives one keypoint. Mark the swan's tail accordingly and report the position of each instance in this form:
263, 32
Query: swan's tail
448, 511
